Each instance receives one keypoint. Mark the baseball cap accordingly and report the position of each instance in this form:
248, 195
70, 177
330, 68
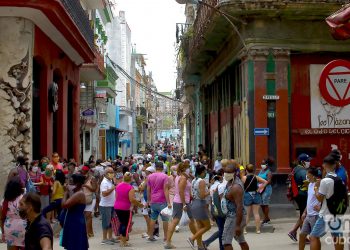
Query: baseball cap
85, 168
151, 169
304, 157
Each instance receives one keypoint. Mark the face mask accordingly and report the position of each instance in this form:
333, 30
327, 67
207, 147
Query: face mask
175, 173
65, 172
188, 171
144, 175
307, 164
229, 176
263, 166
110, 176
71, 187
22, 213
48, 173
307, 179
44, 165
196, 163
35, 169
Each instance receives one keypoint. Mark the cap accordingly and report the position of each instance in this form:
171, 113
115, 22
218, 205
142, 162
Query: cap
151, 169
85, 168
304, 157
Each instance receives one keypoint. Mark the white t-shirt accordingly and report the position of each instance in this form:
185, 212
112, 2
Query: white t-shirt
311, 201
327, 189
107, 201
221, 187
217, 165
213, 188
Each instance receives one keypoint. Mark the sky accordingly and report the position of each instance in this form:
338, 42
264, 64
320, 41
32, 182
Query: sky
153, 30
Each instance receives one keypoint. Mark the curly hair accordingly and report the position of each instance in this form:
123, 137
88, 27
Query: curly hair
13, 189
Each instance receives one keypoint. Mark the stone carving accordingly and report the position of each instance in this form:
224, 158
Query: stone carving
19, 99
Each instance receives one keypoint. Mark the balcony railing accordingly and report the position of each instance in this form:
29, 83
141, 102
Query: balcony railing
111, 76
81, 19
99, 60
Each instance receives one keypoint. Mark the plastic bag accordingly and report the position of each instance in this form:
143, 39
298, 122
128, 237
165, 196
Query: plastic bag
167, 212
185, 220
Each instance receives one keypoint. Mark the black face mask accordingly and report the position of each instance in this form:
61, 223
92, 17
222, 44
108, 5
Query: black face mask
23, 214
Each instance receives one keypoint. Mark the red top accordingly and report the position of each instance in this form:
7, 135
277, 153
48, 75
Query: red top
45, 187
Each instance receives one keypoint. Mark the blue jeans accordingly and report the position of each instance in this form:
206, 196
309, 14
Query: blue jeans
56, 204
220, 222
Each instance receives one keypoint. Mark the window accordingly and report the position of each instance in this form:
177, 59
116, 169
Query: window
87, 140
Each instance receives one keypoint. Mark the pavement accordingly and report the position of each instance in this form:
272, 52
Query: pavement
269, 239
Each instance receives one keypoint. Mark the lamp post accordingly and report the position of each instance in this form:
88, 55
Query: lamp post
228, 17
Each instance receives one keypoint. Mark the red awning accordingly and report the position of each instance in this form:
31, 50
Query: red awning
339, 22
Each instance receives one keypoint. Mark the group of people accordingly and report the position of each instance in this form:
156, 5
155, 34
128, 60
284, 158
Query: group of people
321, 196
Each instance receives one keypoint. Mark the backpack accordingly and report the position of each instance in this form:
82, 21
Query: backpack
223, 203
338, 202
293, 189
216, 205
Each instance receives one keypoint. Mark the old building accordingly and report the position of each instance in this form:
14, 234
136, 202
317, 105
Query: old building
254, 85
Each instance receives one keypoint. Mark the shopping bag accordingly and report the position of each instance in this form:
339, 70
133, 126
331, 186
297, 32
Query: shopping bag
185, 220
167, 212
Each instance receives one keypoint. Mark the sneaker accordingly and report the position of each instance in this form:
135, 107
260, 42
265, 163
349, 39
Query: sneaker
266, 222
258, 232
245, 231
177, 229
107, 242
151, 239
293, 236
169, 246
115, 240
144, 235
191, 242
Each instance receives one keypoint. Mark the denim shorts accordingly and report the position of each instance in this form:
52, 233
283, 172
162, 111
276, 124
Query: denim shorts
106, 215
156, 208
319, 230
266, 196
229, 231
252, 198
308, 224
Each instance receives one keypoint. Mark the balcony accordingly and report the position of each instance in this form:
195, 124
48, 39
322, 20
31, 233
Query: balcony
81, 19
93, 71
111, 77
292, 22
94, 4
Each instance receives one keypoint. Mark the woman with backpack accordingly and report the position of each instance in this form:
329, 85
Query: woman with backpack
252, 198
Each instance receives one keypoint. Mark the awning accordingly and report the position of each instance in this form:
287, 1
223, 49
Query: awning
339, 22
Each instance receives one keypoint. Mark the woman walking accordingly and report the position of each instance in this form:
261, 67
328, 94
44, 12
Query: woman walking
266, 191
74, 226
181, 202
252, 198
89, 189
200, 193
125, 197
12, 226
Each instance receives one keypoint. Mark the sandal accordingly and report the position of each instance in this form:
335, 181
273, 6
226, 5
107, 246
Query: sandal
125, 245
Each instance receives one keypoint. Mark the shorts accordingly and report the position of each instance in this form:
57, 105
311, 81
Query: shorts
90, 207
45, 201
199, 209
156, 208
178, 209
308, 224
319, 229
229, 231
106, 215
266, 196
252, 198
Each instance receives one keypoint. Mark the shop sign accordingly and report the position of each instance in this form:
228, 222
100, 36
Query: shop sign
325, 131
101, 94
103, 126
271, 97
88, 112
330, 95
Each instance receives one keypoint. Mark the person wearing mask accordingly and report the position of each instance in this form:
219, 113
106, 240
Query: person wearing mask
158, 198
39, 235
55, 162
324, 190
107, 191
35, 174
235, 218
217, 164
252, 198
299, 176
313, 207
200, 193
46, 182
12, 225
181, 202
340, 169
74, 227
89, 189
265, 190
125, 198
57, 194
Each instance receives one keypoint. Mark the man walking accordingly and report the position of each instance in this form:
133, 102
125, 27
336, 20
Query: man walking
107, 190
158, 193
235, 218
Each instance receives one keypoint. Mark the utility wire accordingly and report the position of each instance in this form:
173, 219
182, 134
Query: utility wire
144, 87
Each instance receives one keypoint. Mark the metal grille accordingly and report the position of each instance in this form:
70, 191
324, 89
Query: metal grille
81, 19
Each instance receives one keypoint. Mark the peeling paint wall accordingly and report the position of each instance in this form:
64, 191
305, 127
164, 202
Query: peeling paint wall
16, 53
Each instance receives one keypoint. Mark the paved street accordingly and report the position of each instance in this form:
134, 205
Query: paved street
266, 241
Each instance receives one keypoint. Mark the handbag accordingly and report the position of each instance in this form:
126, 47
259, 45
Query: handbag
30, 186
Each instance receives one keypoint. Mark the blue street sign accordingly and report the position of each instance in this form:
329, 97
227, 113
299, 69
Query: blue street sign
261, 131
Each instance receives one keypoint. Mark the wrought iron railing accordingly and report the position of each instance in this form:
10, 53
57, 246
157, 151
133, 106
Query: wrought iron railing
81, 19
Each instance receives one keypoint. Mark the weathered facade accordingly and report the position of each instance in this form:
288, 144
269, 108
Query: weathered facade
279, 43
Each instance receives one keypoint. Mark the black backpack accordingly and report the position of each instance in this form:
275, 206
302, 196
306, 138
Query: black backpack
216, 205
338, 202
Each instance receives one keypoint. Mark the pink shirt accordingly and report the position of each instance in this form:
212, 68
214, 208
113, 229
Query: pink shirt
122, 201
177, 198
171, 185
156, 183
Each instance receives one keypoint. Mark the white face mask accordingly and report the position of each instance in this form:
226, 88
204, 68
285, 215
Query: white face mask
196, 163
307, 164
263, 166
35, 169
229, 176
175, 173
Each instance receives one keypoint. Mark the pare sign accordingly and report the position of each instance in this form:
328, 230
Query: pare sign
335, 83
